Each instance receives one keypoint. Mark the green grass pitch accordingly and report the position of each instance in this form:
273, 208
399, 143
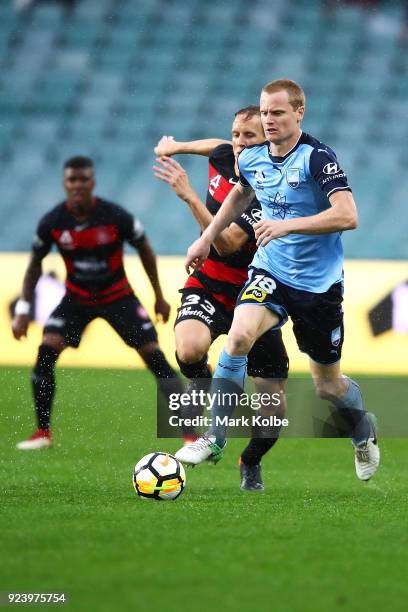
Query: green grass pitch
316, 540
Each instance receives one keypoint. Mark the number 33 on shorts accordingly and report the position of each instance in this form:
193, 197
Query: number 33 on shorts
193, 299
258, 288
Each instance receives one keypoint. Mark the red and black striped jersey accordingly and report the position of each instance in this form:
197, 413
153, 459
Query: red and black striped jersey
93, 250
224, 277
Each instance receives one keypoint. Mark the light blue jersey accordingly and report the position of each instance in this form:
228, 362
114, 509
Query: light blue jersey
297, 185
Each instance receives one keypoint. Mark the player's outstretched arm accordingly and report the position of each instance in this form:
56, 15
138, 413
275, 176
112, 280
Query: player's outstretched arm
149, 262
21, 318
341, 216
168, 146
234, 204
170, 171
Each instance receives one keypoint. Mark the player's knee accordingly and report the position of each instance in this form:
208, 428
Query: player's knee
148, 350
273, 391
191, 350
240, 341
54, 341
193, 340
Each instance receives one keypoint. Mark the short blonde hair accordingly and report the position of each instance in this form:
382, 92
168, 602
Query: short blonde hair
295, 92
249, 111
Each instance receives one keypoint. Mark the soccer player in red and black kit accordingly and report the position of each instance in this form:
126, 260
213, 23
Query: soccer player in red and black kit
89, 232
209, 295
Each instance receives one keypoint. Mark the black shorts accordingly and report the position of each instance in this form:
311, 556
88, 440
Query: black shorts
126, 315
317, 317
267, 358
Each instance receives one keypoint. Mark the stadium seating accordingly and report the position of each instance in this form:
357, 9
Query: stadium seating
114, 77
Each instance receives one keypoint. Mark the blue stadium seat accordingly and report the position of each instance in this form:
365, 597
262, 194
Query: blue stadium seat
110, 80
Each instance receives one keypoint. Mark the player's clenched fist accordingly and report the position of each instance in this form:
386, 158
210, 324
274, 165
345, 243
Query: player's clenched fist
162, 309
20, 325
265, 231
197, 254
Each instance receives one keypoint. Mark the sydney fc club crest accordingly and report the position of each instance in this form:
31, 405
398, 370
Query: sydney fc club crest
259, 179
280, 208
293, 177
336, 336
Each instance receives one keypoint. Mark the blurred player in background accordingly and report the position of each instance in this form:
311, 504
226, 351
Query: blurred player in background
209, 295
298, 267
90, 233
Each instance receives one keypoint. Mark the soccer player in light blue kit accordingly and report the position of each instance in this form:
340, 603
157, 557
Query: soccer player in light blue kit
297, 271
